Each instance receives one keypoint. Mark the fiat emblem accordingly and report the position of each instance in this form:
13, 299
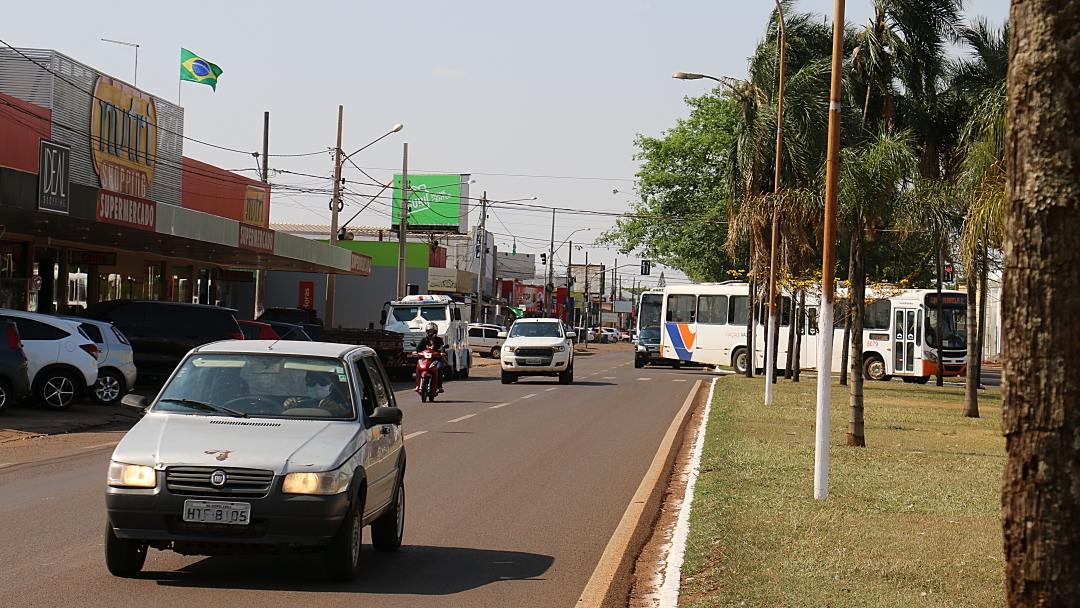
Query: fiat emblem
217, 478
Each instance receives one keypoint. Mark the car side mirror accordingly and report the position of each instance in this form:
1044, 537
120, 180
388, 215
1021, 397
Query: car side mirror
382, 317
502, 334
134, 403
571, 335
385, 415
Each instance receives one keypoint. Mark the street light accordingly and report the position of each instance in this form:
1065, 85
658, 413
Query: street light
135, 83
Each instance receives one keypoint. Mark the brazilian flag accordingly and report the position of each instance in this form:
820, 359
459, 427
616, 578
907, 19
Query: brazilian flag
197, 69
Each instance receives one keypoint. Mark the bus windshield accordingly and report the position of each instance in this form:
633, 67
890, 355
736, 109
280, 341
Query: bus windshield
649, 310
953, 330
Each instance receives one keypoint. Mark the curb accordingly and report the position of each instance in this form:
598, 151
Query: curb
633, 529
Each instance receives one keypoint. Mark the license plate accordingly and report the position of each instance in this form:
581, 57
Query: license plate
533, 361
213, 512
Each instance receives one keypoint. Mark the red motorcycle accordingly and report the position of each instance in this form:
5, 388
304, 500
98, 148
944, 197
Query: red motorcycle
427, 373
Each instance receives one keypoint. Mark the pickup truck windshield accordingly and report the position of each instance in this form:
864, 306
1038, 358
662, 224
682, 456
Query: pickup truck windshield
536, 330
405, 314
260, 386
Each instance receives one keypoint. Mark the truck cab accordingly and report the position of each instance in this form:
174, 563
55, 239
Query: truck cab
411, 315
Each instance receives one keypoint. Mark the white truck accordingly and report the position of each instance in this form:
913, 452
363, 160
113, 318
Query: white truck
411, 315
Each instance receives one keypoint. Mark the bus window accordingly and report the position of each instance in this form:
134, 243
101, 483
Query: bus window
918, 329
876, 315
811, 321
712, 310
737, 310
840, 312
680, 308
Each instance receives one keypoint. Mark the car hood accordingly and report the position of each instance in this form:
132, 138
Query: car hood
283, 446
535, 341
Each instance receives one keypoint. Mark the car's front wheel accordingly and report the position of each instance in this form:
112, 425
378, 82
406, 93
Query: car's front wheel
109, 388
123, 556
342, 558
5, 394
509, 377
56, 390
387, 530
567, 377
495, 350
639, 363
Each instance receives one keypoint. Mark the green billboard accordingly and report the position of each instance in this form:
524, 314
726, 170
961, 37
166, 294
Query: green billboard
436, 202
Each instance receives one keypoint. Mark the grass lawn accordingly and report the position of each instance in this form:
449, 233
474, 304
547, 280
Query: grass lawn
911, 520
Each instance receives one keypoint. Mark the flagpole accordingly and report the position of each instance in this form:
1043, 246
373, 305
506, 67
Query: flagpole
178, 89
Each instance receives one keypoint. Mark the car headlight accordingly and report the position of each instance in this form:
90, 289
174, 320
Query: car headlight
560, 348
508, 349
323, 484
642, 348
123, 475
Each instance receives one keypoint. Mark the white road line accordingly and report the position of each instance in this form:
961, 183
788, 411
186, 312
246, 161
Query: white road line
607, 378
548, 390
679, 380
100, 445
495, 407
644, 378
528, 396
467, 416
416, 434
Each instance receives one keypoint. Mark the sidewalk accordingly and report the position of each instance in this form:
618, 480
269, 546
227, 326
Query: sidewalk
20, 421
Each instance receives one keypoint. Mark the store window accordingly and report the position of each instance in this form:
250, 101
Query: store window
155, 281
120, 287
182, 284
13, 278
78, 285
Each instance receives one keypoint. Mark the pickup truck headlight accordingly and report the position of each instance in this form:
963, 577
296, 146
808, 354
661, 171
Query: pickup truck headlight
123, 475
323, 484
508, 349
560, 348
642, 348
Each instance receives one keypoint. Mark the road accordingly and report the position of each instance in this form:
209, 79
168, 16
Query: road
512, 494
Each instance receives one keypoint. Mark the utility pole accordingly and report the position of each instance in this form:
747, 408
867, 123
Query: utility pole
331, 279
403, 223
481, 239
567, 310
551, 268
586, 305
770, 338
260, 275
828, 265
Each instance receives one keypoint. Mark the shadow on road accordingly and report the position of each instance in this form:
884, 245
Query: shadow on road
414, 570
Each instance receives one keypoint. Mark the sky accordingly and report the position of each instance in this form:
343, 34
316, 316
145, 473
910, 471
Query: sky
538, 99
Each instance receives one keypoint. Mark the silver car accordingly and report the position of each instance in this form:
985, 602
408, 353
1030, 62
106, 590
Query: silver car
116, 363
261, 446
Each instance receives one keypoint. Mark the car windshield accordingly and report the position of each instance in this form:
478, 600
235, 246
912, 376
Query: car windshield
260, 386
650, 333
536, 330
405, 314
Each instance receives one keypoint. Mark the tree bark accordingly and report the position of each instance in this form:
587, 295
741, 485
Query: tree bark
971, 386
939, 329
750, 344
984, 295
1040, 305
792, 333
856, 306
800, 330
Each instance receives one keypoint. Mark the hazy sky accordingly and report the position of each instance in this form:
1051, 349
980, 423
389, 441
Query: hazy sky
490, 88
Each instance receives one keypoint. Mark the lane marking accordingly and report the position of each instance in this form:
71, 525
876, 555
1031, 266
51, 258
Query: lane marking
607, 378
495, 407
528, 396
608, 567
465, 417
679, 380
416, 434
548, 390
644, 378
100, 445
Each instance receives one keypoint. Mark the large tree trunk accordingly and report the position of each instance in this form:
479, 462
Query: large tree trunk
845, 353
1040, 305
856, 306
800, 329
971, 386
750, 343
792, 333
984, 295
939, 330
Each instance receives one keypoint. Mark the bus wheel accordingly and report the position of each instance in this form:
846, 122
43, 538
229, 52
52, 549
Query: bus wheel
874, 368
740, 360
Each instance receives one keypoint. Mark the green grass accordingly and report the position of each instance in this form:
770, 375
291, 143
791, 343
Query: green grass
911, 520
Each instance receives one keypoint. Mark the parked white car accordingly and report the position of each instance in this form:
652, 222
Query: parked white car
537, 347
486, 340
612, 334
62, 360
263, 447
116, 362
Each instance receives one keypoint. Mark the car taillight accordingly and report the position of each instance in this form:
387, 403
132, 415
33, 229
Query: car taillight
90, 348
13, 338
236, 336
120, 335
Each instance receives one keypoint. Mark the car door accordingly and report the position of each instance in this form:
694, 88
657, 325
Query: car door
379, 467
491, 338
171, 332
131, 319
41, 343
476, 339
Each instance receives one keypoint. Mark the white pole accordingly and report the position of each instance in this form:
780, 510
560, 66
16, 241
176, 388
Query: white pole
770, 369
824, 396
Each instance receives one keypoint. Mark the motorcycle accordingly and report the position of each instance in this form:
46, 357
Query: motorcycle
427, 366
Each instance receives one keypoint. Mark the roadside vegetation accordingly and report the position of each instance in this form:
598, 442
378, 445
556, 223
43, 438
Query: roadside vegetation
912, 520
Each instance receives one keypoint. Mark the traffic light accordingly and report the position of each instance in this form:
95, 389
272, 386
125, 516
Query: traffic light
948, 272
646, 267
543, 259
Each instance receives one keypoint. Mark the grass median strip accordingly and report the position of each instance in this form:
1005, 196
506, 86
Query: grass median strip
912, 519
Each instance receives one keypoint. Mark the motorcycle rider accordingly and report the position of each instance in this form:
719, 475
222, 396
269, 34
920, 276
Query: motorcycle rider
435, 343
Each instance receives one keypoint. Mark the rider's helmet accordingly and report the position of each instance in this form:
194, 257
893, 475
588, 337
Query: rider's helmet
432, 329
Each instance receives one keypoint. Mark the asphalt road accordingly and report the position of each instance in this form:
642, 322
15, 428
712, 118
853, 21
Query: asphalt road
512, 495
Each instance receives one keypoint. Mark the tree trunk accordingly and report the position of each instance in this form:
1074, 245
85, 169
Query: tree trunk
1040, 304
800, 329
971, 386
750, 343
939, 329
774, 354
856, 306
984, 295
845, 353
792, 333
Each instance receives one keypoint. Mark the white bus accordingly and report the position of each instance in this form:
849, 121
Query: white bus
706, 324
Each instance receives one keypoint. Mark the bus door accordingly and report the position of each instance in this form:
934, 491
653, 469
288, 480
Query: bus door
715, 339
679, 332
904, 337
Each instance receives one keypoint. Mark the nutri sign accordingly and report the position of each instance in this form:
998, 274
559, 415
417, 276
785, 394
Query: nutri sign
126, 211
123, 137
307, 295
54, 177
256, 238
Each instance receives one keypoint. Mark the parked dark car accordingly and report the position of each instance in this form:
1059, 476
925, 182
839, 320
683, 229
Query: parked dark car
288, 331
297, 316
14, 381
161, 333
